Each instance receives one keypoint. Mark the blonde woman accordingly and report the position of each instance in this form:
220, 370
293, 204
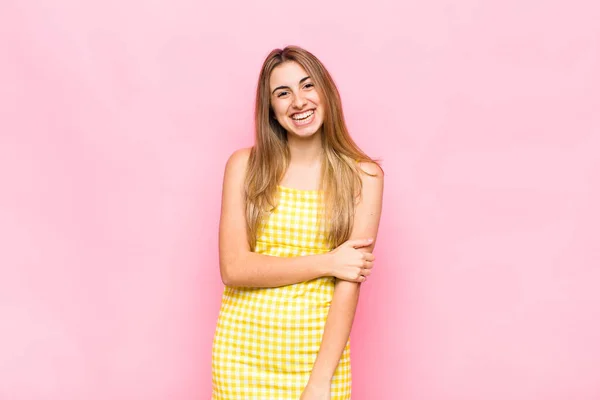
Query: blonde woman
299, 218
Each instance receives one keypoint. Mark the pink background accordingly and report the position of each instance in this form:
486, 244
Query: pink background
116, 119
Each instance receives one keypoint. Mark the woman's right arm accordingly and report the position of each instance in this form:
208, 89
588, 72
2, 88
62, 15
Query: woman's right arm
241, 267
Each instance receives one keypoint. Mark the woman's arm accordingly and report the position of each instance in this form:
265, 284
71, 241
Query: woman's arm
345, 297
241, 267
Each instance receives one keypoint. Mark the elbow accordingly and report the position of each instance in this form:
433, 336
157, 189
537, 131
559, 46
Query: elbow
231, 273
227, 276
225, 279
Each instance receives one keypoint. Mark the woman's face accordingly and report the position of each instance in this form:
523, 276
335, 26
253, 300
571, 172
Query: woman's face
295, 100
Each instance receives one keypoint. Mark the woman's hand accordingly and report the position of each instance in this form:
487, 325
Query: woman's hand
349, 263
314, 391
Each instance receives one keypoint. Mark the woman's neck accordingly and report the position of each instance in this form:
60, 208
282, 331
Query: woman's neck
305, 151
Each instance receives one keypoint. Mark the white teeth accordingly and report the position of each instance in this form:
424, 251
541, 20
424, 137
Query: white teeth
304, 115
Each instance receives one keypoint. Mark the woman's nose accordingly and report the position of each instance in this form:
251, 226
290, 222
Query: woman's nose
299, 101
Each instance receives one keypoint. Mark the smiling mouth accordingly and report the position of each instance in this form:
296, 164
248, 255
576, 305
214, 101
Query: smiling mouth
303, 116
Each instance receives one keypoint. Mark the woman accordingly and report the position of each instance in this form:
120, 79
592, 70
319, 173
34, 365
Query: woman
299, 218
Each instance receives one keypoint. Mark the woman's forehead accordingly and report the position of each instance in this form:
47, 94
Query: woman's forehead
288, 73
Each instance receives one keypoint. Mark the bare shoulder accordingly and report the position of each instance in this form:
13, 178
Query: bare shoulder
235, 171
372, 173
371, 168
370, 201
239, 158
237, 162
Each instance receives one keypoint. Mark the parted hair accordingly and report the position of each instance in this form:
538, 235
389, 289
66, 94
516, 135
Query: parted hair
341, 183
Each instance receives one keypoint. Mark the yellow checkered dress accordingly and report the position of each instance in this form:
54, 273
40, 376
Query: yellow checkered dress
267, 339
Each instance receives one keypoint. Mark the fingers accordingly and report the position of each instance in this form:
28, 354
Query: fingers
362, 279
368, 257
363, 274
358, 243
367, 260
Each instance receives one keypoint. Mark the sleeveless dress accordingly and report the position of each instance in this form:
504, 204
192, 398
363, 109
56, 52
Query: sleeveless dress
267, 339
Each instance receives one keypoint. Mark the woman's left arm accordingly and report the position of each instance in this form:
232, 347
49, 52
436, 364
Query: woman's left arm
345, 297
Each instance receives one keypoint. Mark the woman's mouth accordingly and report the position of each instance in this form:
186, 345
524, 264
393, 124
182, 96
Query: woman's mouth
303, 118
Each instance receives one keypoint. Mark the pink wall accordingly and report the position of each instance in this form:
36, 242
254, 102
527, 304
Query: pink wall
116, 118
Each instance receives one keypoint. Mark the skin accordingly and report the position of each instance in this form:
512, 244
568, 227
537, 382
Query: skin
240, 267
290, 93
345, 297
293, 92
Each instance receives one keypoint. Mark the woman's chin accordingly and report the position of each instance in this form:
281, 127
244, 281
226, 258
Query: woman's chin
305, 132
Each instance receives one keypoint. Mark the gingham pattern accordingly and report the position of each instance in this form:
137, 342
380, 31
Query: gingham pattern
267, 339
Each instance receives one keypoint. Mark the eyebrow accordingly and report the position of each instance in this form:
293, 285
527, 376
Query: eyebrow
287, 87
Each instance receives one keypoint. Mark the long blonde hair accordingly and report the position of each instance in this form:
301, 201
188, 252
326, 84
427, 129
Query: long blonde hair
269, 158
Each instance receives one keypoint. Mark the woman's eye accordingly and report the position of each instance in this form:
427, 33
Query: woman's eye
309, 85
281, 94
